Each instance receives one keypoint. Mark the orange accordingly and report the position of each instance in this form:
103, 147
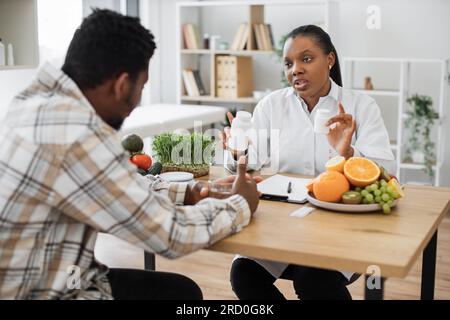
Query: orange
361, 171
335, 164
310, 185
329, 186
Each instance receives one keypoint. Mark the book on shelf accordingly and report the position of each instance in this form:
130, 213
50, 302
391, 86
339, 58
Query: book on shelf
187, 84
263, 36
258, 37
241, 38
191, 36
193, 83
237, 37
199, 83
271, 37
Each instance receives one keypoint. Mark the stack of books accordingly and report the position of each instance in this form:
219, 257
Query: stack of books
191, 36
192, 83
262, 34
234, 76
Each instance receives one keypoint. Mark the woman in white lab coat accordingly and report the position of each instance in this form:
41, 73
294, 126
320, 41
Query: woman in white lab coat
357, 129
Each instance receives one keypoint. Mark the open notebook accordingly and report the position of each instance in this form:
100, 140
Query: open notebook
276, 188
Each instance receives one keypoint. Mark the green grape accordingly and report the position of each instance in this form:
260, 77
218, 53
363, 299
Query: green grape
368, 188
374, 187
395, 195
369, 197
377, 183
358, 189
389, 189
364, 193
377, 193
382, 203
365, 201
383, 183
386, 208
383, 189
390, 202
385, 197
377, 199
371, 201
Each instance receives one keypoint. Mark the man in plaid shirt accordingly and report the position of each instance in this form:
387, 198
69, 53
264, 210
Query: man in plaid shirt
64, 177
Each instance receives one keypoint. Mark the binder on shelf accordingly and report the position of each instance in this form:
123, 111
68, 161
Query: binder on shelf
234, 76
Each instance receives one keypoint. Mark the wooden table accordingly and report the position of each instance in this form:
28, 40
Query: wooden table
350, 242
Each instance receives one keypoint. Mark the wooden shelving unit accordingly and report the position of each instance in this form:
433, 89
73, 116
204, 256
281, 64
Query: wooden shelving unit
403, 92
18, 26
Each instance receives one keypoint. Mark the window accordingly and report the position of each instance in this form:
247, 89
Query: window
57, 22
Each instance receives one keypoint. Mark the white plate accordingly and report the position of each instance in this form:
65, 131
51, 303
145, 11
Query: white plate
346, 207
177, 176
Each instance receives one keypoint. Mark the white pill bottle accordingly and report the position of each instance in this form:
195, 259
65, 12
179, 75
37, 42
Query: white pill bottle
240, 131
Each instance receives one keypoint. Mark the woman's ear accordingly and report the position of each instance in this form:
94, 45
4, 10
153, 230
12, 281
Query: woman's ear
331, 59
122, 86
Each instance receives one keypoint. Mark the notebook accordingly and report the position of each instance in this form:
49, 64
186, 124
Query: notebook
276, 188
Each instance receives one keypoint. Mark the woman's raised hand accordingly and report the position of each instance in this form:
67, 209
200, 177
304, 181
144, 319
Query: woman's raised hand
340, 135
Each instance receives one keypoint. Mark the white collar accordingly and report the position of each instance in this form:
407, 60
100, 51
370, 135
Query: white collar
333, 93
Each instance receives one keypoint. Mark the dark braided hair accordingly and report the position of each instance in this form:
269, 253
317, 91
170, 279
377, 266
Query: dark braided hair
106, 45
324, 41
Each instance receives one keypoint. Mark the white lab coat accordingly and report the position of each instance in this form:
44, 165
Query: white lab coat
294, 147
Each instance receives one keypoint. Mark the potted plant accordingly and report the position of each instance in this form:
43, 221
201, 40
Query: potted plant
420, 121
184, 152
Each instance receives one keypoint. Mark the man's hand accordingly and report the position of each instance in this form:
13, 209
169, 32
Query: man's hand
199, 190
246, 187
195, 192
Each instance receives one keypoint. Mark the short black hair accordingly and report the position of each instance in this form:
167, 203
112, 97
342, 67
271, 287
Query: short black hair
105, 45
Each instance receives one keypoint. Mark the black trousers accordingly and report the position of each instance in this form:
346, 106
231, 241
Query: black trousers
131, 284
251, 281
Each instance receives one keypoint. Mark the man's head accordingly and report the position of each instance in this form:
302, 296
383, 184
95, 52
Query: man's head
108, 58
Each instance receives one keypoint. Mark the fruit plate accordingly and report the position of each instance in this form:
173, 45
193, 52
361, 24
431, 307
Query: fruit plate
346, 207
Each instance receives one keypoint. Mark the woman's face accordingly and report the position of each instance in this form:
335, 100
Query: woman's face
306, 66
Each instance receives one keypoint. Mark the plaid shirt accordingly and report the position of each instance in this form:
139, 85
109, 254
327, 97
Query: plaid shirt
64, 177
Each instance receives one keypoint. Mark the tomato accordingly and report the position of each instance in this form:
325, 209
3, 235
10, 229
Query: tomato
142, 161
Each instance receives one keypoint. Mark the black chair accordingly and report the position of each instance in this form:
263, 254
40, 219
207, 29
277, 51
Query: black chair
149, 261
288, 276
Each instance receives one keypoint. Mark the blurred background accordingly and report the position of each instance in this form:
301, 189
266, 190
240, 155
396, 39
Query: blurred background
395, 50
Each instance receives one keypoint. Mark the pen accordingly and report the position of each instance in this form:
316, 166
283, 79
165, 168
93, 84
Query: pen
273, 197
289, 189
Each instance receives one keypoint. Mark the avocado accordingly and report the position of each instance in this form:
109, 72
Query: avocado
133, 143
155, 169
